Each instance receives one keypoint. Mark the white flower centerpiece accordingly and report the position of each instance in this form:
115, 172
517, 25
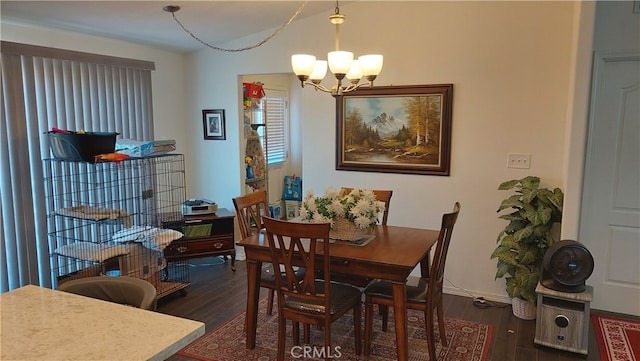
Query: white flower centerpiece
352, 215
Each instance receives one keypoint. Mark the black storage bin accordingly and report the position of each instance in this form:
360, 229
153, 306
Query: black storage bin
73, 146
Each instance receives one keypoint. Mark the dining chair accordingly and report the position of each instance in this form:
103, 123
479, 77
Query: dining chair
125, 290
423, 293
312, 301
249, 211
382, 196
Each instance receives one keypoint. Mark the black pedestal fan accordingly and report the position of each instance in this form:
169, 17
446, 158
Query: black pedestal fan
566, 266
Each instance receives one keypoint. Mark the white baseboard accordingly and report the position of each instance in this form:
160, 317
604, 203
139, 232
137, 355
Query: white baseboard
487, 296
240, 255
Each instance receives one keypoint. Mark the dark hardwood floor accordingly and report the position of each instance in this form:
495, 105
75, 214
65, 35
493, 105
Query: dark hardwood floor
216, 294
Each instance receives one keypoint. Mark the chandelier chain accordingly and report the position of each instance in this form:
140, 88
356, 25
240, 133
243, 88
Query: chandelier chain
275, 33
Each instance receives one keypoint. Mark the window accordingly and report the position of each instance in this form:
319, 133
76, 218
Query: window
276, 119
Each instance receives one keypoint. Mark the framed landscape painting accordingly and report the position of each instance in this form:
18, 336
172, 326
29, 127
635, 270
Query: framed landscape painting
395, 129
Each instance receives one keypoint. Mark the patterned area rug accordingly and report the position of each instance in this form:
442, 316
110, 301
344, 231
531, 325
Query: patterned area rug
618, 339
467, 340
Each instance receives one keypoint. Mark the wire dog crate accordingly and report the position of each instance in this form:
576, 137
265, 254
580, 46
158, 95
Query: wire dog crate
106, 218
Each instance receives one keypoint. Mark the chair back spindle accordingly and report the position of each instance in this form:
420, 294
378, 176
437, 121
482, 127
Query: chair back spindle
436, 274
291, 243
250, 209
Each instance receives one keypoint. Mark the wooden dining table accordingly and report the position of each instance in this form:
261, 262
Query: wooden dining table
391, 255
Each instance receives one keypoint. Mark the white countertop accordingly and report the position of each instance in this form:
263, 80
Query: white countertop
43, 324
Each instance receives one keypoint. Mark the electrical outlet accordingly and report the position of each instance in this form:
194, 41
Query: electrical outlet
519, 160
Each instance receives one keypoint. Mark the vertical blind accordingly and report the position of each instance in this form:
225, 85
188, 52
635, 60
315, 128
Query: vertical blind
44, 88
276, 120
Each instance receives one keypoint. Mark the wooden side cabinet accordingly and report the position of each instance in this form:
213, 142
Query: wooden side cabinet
204, 236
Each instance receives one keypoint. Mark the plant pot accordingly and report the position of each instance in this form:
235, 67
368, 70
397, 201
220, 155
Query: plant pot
346, 231
523, 309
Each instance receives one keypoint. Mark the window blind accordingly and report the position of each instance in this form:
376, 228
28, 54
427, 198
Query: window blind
276, 120
44, 88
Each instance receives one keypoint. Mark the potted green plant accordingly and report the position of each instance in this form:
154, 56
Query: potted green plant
523, 242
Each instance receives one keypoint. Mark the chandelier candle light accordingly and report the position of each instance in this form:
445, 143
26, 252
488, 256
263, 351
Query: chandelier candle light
341, 63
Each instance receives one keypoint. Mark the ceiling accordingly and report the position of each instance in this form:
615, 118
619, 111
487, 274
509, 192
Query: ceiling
145, 22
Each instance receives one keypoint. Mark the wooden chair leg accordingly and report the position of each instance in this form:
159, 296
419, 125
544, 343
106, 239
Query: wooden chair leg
307, 333
327, 339
282, 335
384, 311
296, 333
443, 334
270, 302
357, 317
368, 320
431, 342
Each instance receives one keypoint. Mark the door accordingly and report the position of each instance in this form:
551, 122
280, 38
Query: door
610, 215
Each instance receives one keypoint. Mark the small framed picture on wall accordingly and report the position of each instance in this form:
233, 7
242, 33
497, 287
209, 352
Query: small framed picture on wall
213, 124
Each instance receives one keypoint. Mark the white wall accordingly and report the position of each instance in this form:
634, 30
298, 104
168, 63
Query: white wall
577, 116
510, 63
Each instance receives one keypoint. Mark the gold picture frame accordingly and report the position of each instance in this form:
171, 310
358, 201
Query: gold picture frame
395, 129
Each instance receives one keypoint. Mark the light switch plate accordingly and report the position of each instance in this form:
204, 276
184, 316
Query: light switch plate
519, 160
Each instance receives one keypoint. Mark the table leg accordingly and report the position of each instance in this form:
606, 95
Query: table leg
400, 313
233, 260
253, 293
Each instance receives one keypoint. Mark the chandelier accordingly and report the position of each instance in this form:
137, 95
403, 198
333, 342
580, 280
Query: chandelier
341, 63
